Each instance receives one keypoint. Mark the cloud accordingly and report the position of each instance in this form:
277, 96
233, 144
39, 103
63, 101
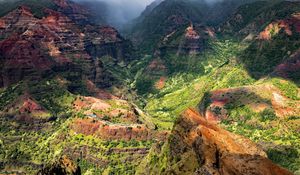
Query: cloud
119, 12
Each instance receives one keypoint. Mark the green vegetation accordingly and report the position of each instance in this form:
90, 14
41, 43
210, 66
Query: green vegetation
278, 136
286, 156
289, 89
260, 58
144, 85
151, 31
58, 101
216, 69
8, 95
213, 69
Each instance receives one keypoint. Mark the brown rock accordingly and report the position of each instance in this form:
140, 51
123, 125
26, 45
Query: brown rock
64, 166
197, 146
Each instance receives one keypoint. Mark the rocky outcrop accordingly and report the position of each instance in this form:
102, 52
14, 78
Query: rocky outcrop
115, 131
108, 131
192, 42
106, 41
197, 146
64, 166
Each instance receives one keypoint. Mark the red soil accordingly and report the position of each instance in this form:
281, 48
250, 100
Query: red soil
61, 3
191, 33
157, 64
2, 24
90, 103
160, 84
29, 106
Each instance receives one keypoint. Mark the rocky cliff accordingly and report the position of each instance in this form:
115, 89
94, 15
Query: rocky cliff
197, 146
32, 47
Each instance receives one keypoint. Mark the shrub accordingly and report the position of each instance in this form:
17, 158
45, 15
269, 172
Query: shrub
288, 88
267, 115
144, 85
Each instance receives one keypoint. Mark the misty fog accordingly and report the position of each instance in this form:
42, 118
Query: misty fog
117, 12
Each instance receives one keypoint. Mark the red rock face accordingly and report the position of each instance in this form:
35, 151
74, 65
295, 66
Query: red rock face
219, 151
160, 84
110, 33
191, 33
30, 105
31, 46
2, 24
22, 60
194, 38
110, 131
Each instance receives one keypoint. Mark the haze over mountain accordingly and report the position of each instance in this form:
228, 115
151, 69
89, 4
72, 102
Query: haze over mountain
117, 12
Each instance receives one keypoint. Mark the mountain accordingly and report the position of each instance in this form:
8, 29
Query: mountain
175, 16
197, 88
150, 7
32, 47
